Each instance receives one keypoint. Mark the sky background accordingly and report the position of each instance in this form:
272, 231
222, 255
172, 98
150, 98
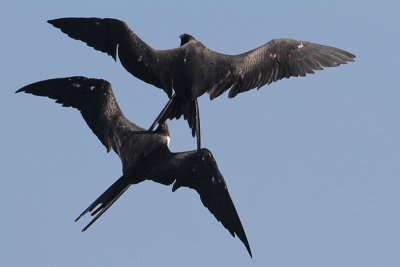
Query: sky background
312, 164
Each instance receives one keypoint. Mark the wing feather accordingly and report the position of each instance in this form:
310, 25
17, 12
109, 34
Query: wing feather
277, 59
101, 34
137, 57
95, 99
198, 170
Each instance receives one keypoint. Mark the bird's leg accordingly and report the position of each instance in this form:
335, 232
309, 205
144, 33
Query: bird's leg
198, 126
162, 113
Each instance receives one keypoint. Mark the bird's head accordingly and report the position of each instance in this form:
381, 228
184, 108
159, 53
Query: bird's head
162, 129
186, 38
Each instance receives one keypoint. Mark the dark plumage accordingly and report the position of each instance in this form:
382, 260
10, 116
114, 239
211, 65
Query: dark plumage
144, 154
193, 69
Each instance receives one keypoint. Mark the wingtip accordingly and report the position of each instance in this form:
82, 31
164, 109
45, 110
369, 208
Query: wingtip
24, 89
54, 22
249, 250
352, 56
51, 21
246, 244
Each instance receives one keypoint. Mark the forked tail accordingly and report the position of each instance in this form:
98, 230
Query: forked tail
106, 200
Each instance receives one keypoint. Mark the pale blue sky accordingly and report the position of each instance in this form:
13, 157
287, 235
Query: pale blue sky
312, 164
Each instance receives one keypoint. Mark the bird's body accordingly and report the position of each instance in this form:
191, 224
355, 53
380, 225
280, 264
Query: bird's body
193, 69
144, 154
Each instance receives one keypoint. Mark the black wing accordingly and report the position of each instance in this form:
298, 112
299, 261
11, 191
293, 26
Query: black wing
212, 71
96, 101
278, 59
140, 59
198, 170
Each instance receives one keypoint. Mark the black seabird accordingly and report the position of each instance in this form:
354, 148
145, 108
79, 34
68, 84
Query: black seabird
193, 69
144, 154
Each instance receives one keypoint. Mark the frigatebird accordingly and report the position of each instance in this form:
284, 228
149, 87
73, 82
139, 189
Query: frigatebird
193, 69
144, 153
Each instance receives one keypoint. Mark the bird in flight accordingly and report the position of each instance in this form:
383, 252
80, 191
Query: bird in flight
144, 153
187, 72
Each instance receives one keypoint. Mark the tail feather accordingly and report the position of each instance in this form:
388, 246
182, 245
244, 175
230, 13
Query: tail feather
177, 108
106, 200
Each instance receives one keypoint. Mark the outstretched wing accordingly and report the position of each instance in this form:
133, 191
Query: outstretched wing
101, 34
96, 101
198, 170
277, 59
107, 34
